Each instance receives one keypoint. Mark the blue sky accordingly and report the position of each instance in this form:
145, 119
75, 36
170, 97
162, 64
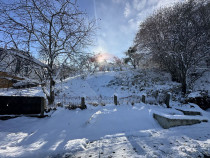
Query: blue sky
118, 21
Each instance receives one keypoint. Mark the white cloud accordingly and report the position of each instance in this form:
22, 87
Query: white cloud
99, 49
139, 4
116, 1
103, 34
141, 16
127, 10
133, 24
164, 3
119, 1
153, 2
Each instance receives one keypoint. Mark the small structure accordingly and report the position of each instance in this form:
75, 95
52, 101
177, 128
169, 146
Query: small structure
7, 80
17, 105
190, 112
167, 122
16, 66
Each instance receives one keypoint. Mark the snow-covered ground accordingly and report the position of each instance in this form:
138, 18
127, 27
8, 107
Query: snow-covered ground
117, 131
103, 131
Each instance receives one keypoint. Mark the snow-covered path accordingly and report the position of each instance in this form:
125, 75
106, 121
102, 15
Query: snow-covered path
148, 143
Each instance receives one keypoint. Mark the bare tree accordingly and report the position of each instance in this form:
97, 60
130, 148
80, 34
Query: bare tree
57, 28
178, 37
118, 63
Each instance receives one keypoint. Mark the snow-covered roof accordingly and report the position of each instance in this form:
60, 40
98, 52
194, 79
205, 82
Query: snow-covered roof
25, 55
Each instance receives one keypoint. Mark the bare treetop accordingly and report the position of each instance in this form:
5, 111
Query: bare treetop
56, 28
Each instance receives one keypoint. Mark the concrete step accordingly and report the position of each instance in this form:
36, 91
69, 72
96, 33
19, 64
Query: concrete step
166, 122
193, 113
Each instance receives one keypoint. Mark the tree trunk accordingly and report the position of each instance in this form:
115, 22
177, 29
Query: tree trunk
134, 66
184, 83
184, 87
51, 98
174, 78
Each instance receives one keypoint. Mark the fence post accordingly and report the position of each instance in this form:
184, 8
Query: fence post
64, 99
156, 95
43, 105
143, 98
83, 106
167, 101
115, 99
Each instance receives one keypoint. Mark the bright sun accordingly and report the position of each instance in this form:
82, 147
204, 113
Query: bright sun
103, 57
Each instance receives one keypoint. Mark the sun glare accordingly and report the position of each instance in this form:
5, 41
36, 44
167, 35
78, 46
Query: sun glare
102, 57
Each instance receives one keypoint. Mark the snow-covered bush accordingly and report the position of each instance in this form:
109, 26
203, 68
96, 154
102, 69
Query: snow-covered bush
155, 84
201, 98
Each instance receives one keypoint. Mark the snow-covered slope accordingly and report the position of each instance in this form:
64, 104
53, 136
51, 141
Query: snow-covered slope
92, 85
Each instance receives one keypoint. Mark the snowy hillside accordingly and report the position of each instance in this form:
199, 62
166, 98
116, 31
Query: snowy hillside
122, 84
125, 130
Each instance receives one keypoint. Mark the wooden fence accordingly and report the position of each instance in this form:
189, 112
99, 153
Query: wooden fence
104, 100
100, 100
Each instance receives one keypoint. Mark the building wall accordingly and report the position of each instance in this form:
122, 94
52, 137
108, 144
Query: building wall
7, 80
